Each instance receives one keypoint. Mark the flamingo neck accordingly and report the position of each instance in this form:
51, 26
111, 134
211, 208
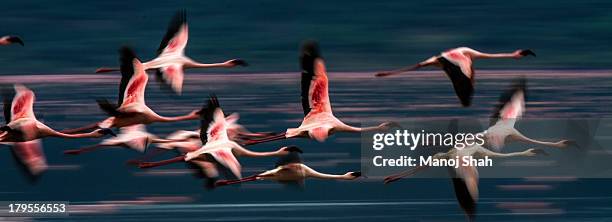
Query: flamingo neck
175, 118
204, 65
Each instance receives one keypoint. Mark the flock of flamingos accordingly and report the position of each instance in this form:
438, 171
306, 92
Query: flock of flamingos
213, 148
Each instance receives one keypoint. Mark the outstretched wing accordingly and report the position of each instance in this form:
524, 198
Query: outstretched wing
176, 36
30, 156
226, 158
133, 78
315, 91
465, 184
511, 105
171, 76
217, 129
459, 58
207, 118
21, 105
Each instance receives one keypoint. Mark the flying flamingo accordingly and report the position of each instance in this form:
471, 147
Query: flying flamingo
290, 170
23, 131
319, 121
171, 60
216, 143
185, 141
133, 137
510, 108
131, 108
457, 64
7, 40
465, 177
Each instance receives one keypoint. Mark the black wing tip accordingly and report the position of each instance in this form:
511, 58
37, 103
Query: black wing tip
15, 39
126, 59
519, 85
108, 107
310, 48
356, 174
527, 52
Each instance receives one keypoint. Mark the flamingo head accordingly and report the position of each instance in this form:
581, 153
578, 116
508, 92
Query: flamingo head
15, 39
526, 52
353, 175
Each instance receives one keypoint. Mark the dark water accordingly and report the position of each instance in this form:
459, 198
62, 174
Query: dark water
101, 187
78, 36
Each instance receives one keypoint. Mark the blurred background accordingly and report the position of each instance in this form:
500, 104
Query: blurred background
77, 36
68, 40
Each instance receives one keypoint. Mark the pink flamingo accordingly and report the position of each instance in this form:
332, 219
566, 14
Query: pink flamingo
131, 108
133, 137
23, 131
171, 60
216, 144
291, 170
319, 121
457, 64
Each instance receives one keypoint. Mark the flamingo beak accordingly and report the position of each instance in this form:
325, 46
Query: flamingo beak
15, 39
239, 62
356, 174
526, 52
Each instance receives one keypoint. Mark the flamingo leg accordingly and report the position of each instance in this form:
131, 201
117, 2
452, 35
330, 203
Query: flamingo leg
403, 174
85, 149
81, 129
230, 182
265, 140
146, 156
177, 159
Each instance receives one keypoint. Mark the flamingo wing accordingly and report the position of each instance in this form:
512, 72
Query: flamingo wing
30, 156
175, 39
465, 184
459, 58
172, 76
226, 158
511, 104
134, 136
212, 122
133, 78
315, 92
21, 105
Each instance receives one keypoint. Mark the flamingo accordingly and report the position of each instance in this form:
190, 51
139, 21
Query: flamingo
23, 131
171, 60
457, 64
131, 108
216, 143
290, 170
185, 141
319, 121
511, 107
465, 177
133, 137
7, 40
